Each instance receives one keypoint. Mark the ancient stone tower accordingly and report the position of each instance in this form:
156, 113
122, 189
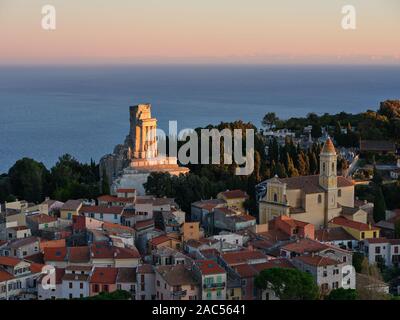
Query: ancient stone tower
142, 135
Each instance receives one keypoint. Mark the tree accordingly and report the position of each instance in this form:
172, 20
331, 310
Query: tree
358, 259
269, 120
288, 284
379, 212
377, 177
105, 185
397, 229
342, 294
29, 180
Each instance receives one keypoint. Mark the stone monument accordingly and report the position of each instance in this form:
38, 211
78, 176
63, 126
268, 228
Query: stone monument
132, 162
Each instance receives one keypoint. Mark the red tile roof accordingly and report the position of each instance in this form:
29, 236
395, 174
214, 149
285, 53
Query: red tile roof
384, 240
104, 275
36, 267
245, 270
240, 257
127, 190
101, 209
144, 224
341, 221
274, 263
9, 261
305, 245
42, 218
317, 261
159, 240
328, 147
79, 254
108, 198
5, 276
145, 268
208, 267
126, 253
310, 184
234, 194
55, 254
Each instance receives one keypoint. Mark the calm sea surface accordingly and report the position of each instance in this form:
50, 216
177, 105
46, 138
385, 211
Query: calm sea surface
49, 111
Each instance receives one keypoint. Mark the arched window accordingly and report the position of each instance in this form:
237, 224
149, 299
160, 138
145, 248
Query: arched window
275, 197
333, 167
339, 192
323, 167
319, 198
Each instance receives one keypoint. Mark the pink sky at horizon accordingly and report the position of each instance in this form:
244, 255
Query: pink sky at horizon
182, 31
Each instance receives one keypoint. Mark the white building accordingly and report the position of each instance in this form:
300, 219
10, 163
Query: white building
75, 282
383, 250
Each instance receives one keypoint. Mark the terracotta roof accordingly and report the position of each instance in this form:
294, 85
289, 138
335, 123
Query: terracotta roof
36, 267
333, 234
234, 194
59, 274
71, 205
127, 190
79, 254
209, 267
9, 261
126, 275
251, 270
176, 275
377, 145
159, 240
104, 275
145, 268
23, 242
5, 276
305, 245
208, 204
245, 270
126, 253
274, 263
383, 240
341, 221
42, 218
240, 257
328, 147
101, 209
108, 198
317, 261
144, 224
55, 254
101, 251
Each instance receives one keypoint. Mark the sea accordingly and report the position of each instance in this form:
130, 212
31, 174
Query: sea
47, 111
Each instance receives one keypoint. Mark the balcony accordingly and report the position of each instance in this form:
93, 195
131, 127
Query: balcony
178, 293
214, 285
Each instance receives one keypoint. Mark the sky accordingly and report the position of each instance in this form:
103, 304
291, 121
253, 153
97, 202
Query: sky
199, 31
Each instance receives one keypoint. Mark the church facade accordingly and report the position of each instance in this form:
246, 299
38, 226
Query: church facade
315, 199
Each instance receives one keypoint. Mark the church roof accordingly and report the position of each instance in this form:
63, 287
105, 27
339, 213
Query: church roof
310, 184
328, 147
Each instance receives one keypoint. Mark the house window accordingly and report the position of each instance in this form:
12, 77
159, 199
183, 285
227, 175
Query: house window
377, 249
81, 285
275, 197
115, 216
339, 193
323, 167
70, 285
105, 288
374, 234
319, 198
95, 288
396, 249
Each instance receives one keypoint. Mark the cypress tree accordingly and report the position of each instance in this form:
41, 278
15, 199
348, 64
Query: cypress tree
379, 205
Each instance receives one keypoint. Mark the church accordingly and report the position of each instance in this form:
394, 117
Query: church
132, 162
315, 199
